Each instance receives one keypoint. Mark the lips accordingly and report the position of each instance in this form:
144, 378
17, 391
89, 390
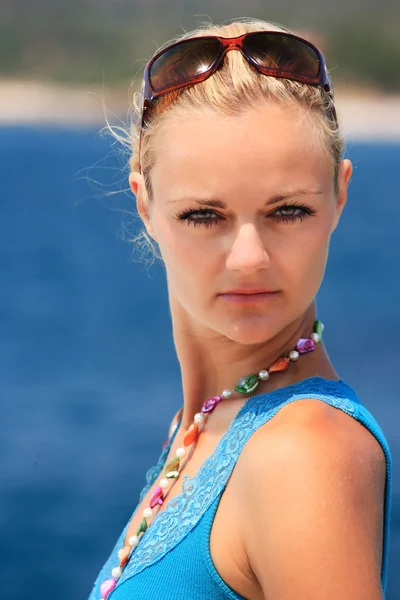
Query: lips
248, 297
250, 291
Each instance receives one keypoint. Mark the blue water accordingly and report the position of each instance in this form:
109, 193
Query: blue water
88, 373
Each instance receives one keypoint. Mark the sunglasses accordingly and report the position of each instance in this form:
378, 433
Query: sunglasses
272, 53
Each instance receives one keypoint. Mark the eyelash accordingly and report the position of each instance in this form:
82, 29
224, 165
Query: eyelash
187, 215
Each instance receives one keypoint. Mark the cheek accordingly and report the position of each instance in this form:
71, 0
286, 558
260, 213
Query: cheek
309, 261
188, 258
300, 256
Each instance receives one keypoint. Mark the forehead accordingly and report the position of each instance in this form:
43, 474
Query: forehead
263, 147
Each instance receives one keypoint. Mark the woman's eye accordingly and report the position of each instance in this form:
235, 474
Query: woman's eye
301, 213
204, 216
297, 212
288, 209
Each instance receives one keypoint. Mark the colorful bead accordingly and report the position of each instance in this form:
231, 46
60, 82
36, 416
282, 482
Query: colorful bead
191, 435
280, 365
142, 527
319, 328
107, 586
157, 497
172, 469
210, 404
123, 555
305, 345
246, 385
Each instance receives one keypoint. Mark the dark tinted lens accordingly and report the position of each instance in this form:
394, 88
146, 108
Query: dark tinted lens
183, 62
283, 53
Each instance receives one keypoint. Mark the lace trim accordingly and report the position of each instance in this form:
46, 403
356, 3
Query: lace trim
153, 472
183, 511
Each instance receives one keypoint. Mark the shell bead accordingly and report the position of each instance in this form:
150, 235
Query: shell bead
142, 527
315, 337
280, 365
246, 385
210, 404
319, 328
305, 345
191, 435
123, 555
263, 375
107, 586
147, 513
172, 468
226, 394
157, 497
294, 355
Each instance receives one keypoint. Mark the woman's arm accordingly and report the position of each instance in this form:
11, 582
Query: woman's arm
314, 492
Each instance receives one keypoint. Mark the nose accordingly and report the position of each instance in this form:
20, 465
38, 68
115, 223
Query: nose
248, 253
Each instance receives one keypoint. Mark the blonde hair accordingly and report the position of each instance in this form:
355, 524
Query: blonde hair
231, 90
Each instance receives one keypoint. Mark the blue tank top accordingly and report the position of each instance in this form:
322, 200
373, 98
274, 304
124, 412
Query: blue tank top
173, 560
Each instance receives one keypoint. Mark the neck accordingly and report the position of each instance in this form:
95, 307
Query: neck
211, 362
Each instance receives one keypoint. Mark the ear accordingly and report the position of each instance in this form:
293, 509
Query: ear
136, 183
345, 173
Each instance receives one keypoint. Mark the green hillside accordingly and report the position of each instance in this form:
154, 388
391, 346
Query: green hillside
110, 40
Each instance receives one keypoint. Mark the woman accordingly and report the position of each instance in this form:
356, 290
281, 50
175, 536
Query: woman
275, 481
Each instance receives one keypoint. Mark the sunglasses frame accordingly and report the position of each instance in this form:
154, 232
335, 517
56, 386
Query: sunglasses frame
148, 94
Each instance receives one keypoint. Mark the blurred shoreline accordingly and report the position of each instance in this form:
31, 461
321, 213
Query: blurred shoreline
365, 114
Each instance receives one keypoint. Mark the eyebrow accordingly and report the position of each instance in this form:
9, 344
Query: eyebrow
273, 200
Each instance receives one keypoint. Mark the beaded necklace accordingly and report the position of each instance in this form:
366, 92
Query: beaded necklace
245, 385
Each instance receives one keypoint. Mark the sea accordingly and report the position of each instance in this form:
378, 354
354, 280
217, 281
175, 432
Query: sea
89, 377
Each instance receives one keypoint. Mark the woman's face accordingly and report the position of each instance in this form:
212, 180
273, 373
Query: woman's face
243, 202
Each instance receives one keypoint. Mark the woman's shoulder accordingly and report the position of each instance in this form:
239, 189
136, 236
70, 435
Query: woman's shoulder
312, 479
311, 408
317, 439
316, 425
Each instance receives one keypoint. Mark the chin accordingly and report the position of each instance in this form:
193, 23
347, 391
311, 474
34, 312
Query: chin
253, 330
